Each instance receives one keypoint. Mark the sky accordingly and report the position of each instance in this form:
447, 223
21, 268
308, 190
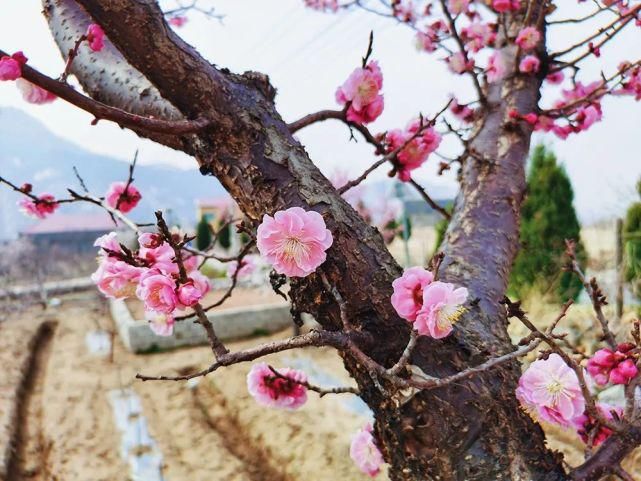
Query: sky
307, 54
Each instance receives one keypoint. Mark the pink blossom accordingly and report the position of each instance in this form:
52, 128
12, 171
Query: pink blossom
177, 21
427, 41
478, 35
294, 241
322, 5
33, 94
161, 257
496, 69
502, 6
416, 151
617, 366
158, 292
150, 240
95, 37
624, 372
461, 111
160, 323
116, 279
555, 78
584, 424
631, 81
587, 116
529, 64
107, 242
458, 6
39, 209
528, 38
11, 67
189, 294
269, 389
247, 267
442, 307
365, 453
117, 198
457, 63
407, 298
361, 92
550, 390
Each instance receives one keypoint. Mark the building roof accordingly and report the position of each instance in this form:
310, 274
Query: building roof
58, 223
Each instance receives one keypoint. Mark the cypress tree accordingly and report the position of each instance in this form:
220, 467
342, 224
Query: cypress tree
203, 234
632, 239
547, 219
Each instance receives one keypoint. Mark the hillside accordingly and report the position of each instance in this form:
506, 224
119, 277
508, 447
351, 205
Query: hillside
31, 153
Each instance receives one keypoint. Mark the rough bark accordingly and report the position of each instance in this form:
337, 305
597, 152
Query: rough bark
470, 431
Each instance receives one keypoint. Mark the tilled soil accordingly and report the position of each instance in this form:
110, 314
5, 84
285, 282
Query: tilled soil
206, 430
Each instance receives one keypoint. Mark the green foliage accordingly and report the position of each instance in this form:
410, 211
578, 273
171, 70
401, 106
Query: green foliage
440, 228
547, 219
203, 234
632, 242
224, 234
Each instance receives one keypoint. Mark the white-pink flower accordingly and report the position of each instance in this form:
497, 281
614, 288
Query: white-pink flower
457, 6
294, 241
365, 453
407, 298
283, 391
33, 94
117, 198
495, 69
247, 267
115, 278
160, 323
550, 389
158, 292
458, 64
528, 38
442, 307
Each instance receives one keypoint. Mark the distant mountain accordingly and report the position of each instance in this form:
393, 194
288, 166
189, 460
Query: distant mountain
31, 153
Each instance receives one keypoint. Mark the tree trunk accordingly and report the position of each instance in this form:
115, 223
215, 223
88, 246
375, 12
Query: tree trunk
469, 431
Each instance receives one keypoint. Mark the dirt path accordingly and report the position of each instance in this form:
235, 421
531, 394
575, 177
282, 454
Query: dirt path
30, 458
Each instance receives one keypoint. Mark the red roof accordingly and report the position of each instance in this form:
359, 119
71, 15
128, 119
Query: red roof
57, 223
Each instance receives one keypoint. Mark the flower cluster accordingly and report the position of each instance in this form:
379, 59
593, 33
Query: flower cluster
283, 389
294, 241
361, 94
528, 38
496, 68
433, 307
152, 275
631, 81
365, 453
529, 64
429, 38
478, 35
585, 424
417, 150
38, 208
122, 196
581, 107
617, 367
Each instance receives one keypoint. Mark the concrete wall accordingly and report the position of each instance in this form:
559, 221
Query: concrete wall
229, 324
